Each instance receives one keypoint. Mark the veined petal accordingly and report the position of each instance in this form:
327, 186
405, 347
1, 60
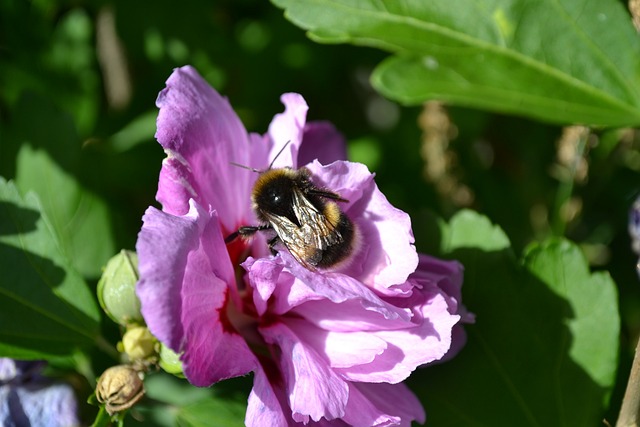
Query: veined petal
213, 349
186, 273
314, 390
348, 316
382, 405
340, 349
297, 285
264, 407
361, 412
426, 339
288, 127
202, 134
163, 247
264, 276
447, 276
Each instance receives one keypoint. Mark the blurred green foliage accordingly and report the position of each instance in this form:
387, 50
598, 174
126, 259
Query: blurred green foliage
78, 83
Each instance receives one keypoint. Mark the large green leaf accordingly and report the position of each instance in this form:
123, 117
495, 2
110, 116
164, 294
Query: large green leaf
544, 346
78, 216
46, 157
565, 61
46, 307
213, 411
220, 405
591, 323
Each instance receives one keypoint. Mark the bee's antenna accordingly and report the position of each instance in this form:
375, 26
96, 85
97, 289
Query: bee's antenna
270, 165
246, 167
278, 155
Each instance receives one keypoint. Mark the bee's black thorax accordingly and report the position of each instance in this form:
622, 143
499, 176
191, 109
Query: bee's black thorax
305, 217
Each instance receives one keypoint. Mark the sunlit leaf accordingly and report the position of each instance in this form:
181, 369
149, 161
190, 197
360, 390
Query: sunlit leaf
592, 319
544, 347
78, 216
555, 60
46, 308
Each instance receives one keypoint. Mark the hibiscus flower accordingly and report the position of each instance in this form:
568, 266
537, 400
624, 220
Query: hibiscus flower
327, 346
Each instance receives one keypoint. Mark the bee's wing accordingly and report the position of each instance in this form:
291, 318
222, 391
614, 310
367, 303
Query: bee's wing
292, 237
314, 235
315, 229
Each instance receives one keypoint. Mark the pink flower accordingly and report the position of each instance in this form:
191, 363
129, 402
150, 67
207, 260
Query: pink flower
328, 346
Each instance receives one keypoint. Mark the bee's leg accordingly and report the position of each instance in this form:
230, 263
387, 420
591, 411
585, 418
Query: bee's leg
246, 231
272, 243
326, 194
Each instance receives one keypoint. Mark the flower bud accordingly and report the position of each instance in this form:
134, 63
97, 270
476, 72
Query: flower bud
119, 388
116, 288
138, 343
170, 361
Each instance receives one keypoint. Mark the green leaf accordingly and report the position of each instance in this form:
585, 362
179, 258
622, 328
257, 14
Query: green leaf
469, 230
46, 308
138, 131
220, 405
213, 411
593, 320
544, 346
563, 61
79, 217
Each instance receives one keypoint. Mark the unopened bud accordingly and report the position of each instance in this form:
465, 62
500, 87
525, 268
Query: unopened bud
117, 288
119, 388
170, 361
138, 343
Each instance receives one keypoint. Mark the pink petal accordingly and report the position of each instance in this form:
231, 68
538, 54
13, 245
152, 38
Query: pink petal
315, 391
382, 404
286, 128
201, 134
426, 339
264, 275
387, 255
448, 276
361, 412
321, 141
264, 407
340, 349
297, 285
162, 269
347, 316
185, 271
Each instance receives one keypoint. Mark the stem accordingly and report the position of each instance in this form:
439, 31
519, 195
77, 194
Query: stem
630, 410
565, 188
106, 346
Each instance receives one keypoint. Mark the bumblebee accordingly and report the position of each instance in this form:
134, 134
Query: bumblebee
306, 218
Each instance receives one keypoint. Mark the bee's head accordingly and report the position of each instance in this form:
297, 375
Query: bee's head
274, 191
